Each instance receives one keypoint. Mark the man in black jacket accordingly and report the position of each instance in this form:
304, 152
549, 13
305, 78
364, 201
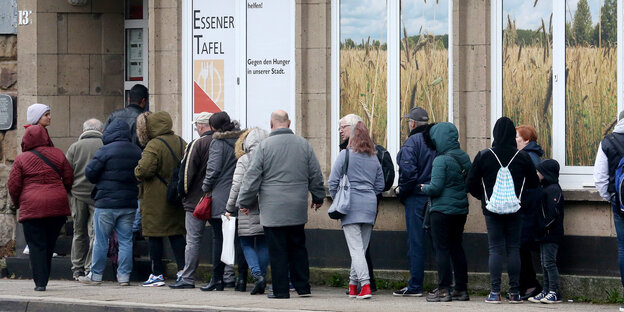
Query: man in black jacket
347, 124
137, 100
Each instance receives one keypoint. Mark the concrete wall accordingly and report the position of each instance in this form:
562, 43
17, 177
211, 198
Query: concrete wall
71, 58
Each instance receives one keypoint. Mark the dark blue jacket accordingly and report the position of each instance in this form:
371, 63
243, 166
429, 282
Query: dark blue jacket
415, 160
112, 169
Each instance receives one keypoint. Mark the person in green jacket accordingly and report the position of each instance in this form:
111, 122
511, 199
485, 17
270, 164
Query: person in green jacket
448, 211
160, 218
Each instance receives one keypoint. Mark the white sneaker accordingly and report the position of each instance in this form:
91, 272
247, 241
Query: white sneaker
154, 281
26, 250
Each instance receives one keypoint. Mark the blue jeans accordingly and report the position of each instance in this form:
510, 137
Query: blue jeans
258, 257
104, 222
618, 220
414, 211
549, 266
504, 232
136, 224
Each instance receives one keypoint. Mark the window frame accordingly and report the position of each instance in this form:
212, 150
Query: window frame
571, 177
393, 85
137, 24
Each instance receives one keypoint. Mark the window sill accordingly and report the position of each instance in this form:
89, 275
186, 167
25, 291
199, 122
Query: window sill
582, 195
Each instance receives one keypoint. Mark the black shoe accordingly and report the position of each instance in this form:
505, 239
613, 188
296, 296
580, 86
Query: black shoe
460, 295
229, 284
213, 285
40, 288
305, 293
241, 286
278, 296
181, 285
537, 290
259, 287
441, 295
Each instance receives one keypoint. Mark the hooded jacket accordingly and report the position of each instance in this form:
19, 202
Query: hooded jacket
79, 155
112, 169
35, 188
485, 165
535, 152
448, 188
220, 169
415, 160
129, 116
159, 217
607, 159
248, 225
550, 216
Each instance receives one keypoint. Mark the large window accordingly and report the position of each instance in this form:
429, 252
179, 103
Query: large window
387, 57
554, 66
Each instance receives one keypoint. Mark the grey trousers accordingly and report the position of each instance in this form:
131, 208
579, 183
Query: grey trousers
194, 232
82, 242
358, 236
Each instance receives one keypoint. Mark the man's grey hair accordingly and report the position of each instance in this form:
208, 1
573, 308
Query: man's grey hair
420, 123
351, 120
93, 124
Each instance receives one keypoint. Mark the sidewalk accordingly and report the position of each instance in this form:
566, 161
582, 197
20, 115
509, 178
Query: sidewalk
18, 295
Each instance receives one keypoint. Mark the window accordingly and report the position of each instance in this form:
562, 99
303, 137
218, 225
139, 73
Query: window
387, 57
554, 66
135, 45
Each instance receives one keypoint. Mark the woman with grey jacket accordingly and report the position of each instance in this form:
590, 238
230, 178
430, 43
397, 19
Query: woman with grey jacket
217, 183
250, 231
366, 179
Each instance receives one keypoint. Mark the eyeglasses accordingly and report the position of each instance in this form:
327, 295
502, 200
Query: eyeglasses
342, 127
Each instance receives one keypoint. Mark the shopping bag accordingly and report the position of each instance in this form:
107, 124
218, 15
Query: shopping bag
228, 228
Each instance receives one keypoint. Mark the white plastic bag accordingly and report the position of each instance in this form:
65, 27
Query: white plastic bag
228, 228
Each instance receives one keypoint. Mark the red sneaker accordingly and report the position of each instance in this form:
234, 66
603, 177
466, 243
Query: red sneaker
365, 293
353, 291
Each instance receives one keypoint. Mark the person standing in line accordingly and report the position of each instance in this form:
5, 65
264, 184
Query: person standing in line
526, 140
112, 171
250, 231
79, 155
550, 229
217, 183
40, 179
366, 179
415, 161
503, 230
193, 171
448, 212
160, 218
610, 152
282, 171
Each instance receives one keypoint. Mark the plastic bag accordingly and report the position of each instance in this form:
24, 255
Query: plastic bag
229, 229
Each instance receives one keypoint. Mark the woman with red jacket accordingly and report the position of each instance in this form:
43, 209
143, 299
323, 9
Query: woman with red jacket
39, 182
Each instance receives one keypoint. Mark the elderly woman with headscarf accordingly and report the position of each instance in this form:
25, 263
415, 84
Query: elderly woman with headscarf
39, 182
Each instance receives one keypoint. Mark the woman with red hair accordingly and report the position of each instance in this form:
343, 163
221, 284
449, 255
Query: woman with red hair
526, 140
366, 179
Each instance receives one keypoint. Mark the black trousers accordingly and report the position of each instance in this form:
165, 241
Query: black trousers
447, 232
41, 235
528, 279
287, 250
157, 247
217, 248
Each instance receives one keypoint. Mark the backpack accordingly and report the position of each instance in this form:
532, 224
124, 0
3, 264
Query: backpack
173, 197
619, 171
503, 199
387, 166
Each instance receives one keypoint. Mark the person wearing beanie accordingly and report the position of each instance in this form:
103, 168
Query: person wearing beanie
549, 229
38, 114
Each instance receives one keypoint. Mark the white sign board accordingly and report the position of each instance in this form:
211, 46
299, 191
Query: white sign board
270, 60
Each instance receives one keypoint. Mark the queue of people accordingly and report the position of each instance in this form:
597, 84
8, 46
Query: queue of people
119, 176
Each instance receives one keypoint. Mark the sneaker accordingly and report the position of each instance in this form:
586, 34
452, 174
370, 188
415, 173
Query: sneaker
154, 281
514, 298
406, 292
77, 274
460, 295
493, 298
551, 297
353, 291
26, 250
622, 308
440, 295
87, 280
178, 276
124, 283
365, 293
537, 298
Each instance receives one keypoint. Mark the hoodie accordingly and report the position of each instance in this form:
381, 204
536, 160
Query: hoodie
550, 216
607, 159
485, 165
112, 169
535, 151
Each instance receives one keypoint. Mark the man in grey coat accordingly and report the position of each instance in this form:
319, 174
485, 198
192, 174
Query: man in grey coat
283, 170
79, 155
